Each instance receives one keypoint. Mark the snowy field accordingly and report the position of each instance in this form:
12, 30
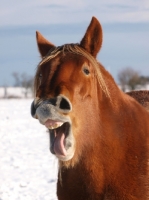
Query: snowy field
28, 171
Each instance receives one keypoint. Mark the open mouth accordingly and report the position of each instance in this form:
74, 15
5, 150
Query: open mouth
59, 137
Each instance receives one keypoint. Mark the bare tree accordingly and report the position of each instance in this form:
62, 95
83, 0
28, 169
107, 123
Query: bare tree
5, 92
17, 79
23, 80
27, 83
144, 80
128, 77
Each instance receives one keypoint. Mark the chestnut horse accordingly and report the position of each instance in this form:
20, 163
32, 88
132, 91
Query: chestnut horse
141, 96
98, 133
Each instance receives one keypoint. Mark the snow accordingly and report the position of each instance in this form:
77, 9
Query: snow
17, 92
28, 171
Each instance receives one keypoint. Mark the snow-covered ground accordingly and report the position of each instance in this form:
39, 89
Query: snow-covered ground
28, 171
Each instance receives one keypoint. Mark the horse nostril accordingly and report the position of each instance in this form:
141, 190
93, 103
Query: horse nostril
33, 109
65, 104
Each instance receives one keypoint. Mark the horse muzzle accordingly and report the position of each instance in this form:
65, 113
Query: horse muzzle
41, 108
53, 113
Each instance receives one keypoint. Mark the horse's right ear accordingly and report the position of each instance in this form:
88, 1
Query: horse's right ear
43, 44
92, 39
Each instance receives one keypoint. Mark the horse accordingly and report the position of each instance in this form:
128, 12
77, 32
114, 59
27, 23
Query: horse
141, 96
99, 134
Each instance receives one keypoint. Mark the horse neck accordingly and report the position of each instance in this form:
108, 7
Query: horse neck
104, 160
109, 148
93, 166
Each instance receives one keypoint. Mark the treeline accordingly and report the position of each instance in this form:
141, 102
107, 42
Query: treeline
131, 79
128, 80
23, 80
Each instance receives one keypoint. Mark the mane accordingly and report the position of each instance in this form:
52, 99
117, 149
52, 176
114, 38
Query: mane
76, 49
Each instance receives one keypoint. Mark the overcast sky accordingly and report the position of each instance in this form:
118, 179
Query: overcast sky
125, 28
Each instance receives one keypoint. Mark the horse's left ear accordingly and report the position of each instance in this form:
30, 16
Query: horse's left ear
92, 39
43, 44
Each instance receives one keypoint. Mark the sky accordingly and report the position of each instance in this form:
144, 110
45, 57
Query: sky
125, 26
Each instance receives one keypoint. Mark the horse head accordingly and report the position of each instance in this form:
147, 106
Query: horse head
64, 88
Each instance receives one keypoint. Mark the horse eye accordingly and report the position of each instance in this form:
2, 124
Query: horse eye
86, 71
40, 75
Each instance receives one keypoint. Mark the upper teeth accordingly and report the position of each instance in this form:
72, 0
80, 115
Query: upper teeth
56, 125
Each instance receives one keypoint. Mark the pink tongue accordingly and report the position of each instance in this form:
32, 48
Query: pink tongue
59, 148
